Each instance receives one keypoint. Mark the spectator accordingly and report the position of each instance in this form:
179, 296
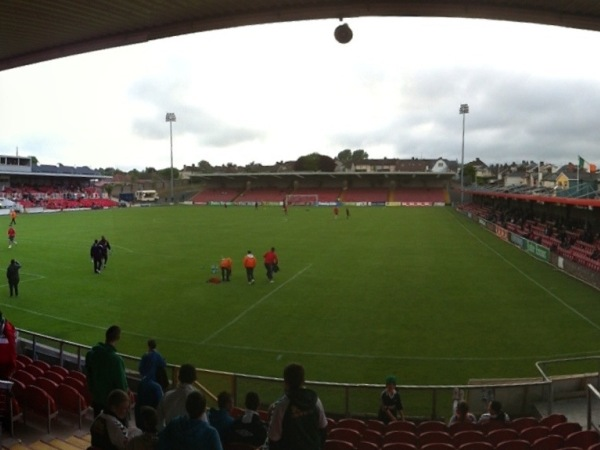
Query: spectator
190, 432
110, 429
494, 413
12, 275
96, 255
462, 414
149, 394
306, 428
221, 418
172, 403
8, 348
271, 260
151, 361
105, 369
149, 439
390, 408
249, 428
249, 264
105, 247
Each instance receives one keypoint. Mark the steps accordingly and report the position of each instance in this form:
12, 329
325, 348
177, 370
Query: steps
77, 441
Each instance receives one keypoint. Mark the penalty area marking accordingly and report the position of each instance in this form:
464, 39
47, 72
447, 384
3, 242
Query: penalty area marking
35, 275
251, 307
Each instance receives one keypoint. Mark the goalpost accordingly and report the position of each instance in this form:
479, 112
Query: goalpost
302, 200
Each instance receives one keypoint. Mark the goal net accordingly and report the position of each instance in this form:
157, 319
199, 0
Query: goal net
302, 199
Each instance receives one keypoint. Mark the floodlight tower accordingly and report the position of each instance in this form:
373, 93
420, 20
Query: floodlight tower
171, 118
464, 110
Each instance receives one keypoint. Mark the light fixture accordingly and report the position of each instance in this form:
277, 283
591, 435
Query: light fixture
343, 33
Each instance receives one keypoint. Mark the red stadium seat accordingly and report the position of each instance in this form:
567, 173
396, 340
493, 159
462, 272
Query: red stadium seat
401, 425
565, 429
354, 424
372, 436
494, 437
18, 390
72, 401
463, 437
552, 419
54, 376
41, 364
34, 370
400, 436
39, 402
79, 387
48, 385
532, 434
582, 439
365, 445
438, 446
344, 434
399, 446
516, 444
550, 442
376, 425
10, 410
457, 427
24, 359
521, 423
24, 377
431, 425
430, 437
79, 375
336, 444
492, 425
481, 445
59, 370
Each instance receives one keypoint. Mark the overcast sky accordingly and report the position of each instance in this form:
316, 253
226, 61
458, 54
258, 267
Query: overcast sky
276, 92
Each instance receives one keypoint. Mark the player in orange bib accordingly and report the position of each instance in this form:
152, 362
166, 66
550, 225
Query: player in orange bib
249, 265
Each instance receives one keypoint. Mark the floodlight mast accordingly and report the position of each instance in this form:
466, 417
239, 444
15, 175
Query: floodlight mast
464, 110
171, 118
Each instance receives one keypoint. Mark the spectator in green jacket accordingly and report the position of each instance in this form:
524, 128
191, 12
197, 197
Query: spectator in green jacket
105, 369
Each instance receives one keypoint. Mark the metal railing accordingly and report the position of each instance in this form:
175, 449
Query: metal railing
341, 399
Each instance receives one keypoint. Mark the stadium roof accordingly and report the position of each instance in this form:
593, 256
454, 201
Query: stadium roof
41, 30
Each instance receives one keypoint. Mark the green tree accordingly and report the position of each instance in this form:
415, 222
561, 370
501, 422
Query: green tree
108, 188
205, 167
359, 156
314, 163
345, 157
166, 173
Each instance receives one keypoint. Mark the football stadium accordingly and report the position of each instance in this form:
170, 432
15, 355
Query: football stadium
459, 293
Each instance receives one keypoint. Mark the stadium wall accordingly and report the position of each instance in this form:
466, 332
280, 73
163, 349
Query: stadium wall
539, 251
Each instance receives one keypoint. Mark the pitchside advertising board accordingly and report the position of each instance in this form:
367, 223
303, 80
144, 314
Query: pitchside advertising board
533, 248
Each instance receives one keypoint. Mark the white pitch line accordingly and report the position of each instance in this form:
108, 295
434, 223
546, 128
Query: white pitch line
37, 277
541, 286
243, 313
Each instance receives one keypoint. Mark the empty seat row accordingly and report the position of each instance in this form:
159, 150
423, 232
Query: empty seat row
581, 440
550, 421
529, 436
43, 389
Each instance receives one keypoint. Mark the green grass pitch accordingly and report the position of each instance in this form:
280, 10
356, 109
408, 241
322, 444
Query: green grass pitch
422, 293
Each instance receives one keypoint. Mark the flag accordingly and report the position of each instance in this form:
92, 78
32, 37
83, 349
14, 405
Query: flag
583, 164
